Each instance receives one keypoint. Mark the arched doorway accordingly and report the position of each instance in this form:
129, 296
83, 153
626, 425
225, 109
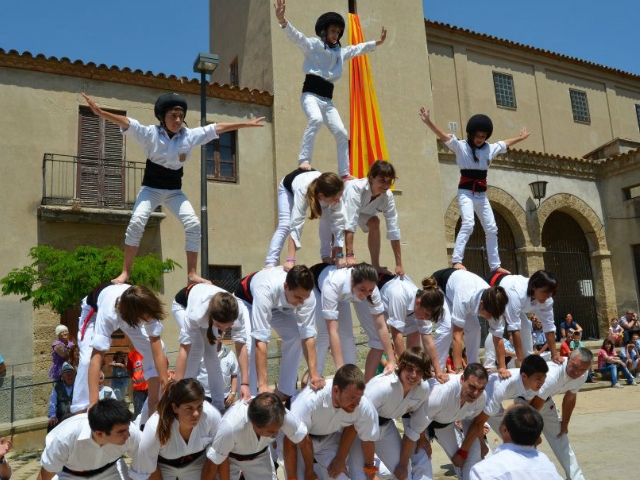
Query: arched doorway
567, 257
475, 253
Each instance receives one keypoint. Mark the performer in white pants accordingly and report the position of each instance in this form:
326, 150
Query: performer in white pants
338, 289
567, 378
529, 295
324, 60
411, 311
461, 398
299, 191
404, 393
244, 437
201, 311
284, 301
109, 308
469, 297
523, 384
334, 416
176, 436
91, 444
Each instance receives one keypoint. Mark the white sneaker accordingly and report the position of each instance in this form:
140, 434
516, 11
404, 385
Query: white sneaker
617, 385
633, 384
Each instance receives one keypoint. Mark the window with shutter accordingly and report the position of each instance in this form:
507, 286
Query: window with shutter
100, 179
222, 164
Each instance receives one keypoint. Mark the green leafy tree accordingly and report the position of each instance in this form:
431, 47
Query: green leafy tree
59, 278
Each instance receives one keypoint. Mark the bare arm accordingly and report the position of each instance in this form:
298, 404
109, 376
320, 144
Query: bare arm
44, 474
425, 115
209, 471
430, 348
120, 120
475, 432
261, 366
456, 352
383, 335
335, 343
348, 244
160, 361
181, 362
383, 37
338, 464
568, 404
291, 254
316, 382
229, 127
406, 449
397, 254
243, 363
498, 343
95, 365
524, 134
551, 342
62, 351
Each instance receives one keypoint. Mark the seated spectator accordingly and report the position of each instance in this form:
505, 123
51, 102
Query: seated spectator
629, 355
565, 346
568, 324
104, 391
629, 324
576, 340
119, 375
490, 362
5, 468
59, 351
61, 397
449, 361
609, 361
616, 333
230, 369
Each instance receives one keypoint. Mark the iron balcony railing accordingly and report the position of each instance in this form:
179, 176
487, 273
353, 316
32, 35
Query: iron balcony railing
90, 181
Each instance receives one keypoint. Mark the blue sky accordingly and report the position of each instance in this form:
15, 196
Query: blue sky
168, 38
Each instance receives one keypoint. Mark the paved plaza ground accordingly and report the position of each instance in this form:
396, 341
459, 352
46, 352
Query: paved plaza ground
603, 433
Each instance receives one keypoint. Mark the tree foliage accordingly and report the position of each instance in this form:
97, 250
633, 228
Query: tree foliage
60, 279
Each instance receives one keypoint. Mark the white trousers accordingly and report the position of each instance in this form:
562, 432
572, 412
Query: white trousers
444, 336
193, 471
477, 202
450, 439
388, 451
138, 338
560, 445
285, 207
324, 451
321, 110
524, 325
286, 326
119, 471
345, 330
176, 202
256, 469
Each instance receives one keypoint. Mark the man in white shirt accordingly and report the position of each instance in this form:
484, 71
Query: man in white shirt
517, 458
333, 416
284, 301
461, 398
567, 378
245, 435
91, 444
523, 383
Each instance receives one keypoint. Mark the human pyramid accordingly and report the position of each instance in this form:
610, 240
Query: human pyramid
345, 427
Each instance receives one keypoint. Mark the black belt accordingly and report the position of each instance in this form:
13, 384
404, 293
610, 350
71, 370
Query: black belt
246, 458
318, 85
163, 178
442, 277
316, 437
382, 421
90, 473
316, 270
243, 290
383, 278
433, 426
181, 461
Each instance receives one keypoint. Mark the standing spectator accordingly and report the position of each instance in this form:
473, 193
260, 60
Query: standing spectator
61, 397
5, 468
140, 385
59, 351
3, 370
616, 333
74, 356
568, 324
629, 324
629, 355
119, 374
518, 457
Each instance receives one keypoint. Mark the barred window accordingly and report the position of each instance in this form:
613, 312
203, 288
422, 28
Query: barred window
225, 276
234, 77
505, 94
222, 165
579, 106
638, 115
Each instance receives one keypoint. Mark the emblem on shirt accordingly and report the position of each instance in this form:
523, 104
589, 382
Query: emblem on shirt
182, 157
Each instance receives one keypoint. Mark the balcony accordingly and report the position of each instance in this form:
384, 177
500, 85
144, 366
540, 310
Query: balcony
90, 189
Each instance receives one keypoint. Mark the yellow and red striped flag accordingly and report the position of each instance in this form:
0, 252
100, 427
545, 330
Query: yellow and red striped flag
367, 135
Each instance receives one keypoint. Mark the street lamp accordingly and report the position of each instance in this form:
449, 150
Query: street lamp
539, 191
205, 64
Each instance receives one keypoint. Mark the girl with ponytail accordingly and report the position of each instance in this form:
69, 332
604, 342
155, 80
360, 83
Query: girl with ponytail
176, 436
321, 193
411, 311
203, 313
338, 290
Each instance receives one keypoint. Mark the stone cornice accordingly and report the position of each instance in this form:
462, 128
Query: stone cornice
528, 161
64, 66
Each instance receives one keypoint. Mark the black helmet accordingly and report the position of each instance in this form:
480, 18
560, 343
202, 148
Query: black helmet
166, 102
479, 123
326, 19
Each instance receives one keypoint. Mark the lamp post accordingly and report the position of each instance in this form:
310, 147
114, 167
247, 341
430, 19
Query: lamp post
539, 191
205, 64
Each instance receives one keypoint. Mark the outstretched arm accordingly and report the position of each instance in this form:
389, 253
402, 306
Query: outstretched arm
383, 37
425, 116
120, 120
228, 127
524, 134
280, 8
